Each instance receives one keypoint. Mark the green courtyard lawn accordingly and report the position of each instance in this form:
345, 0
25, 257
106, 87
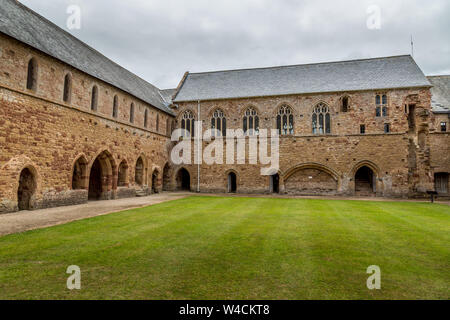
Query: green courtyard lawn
237, 248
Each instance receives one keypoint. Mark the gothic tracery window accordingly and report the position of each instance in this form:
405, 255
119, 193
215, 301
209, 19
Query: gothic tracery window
219, 122
251, 122
321, 119
188, 123
285, 121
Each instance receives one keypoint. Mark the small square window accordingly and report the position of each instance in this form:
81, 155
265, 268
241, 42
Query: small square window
443, 126
362, 129
387, 128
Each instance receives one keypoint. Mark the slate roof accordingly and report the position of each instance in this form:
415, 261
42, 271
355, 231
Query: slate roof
354, 75
440, 94
25, 25
167, 95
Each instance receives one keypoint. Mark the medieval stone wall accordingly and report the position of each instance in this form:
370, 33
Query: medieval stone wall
392, 157
57, 141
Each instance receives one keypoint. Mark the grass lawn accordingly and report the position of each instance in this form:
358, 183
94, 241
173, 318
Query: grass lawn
237, 248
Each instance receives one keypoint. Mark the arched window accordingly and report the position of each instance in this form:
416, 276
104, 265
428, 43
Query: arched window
94, 98
188, 124
285, 120
67, 88
344, 104
115, 112
321, 120
251, 122
132, 112
219, 122
381, 102
32, 74
145, 118
157, 122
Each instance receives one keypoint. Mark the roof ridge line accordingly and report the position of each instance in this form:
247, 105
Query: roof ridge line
301, 64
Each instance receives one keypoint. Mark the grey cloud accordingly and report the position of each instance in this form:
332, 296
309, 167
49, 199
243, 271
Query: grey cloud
161, 39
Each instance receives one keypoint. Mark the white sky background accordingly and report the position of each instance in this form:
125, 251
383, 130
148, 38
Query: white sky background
161, 39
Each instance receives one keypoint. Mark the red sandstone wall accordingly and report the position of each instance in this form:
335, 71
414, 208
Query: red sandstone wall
40, 132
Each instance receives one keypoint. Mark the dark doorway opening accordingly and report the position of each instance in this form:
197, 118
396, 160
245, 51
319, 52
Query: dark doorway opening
155, 181
441, 183
365, 182
275, 183
183, 180
95, 181
27, 187
232, 183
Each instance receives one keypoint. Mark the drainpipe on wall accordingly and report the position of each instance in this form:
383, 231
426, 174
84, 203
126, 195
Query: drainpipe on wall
198, 146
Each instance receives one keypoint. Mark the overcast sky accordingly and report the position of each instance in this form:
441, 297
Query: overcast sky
161, 39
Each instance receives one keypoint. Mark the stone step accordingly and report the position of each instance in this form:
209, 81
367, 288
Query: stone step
141, 193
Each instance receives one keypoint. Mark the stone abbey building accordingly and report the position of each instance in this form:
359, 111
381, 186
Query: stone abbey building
76, 126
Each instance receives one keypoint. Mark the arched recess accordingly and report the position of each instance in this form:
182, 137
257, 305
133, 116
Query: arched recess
27, 189
155, 181
183, 179
122, 176
366, 179
79, 174
166, 177
101, 177
311, 179
10, 175
140, 171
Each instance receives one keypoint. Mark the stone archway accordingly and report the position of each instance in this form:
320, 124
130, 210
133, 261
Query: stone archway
183, 180
101, 175
311, 179
366, 180
26, 189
